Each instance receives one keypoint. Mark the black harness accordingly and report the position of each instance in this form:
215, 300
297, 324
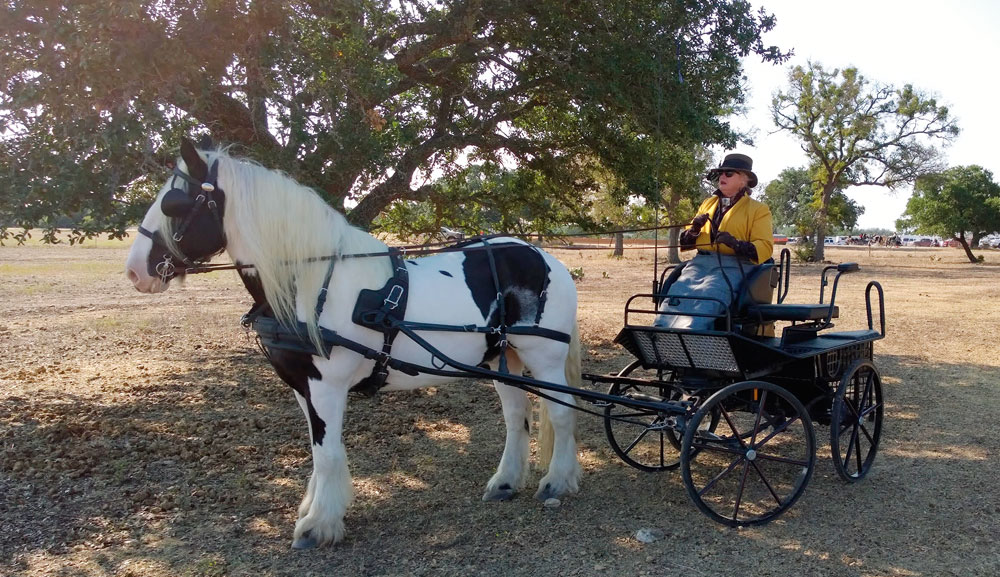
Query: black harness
181, 203
384, 310
380, 310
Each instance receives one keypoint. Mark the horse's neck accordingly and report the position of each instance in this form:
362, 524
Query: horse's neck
253, 285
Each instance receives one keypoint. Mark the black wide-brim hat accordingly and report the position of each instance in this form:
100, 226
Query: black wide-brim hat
739, 162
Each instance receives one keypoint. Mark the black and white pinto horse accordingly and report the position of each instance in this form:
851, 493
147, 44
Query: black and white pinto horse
216, 203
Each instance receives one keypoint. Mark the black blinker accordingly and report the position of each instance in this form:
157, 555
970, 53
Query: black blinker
176, 203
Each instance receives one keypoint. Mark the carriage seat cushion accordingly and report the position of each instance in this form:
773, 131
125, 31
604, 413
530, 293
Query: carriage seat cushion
758, 287
793, 312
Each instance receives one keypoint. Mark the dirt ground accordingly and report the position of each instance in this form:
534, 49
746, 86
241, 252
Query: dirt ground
146, 436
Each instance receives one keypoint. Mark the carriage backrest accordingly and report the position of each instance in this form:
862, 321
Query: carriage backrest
759, 285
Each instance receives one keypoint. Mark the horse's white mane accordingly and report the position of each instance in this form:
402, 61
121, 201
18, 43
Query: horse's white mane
280, 225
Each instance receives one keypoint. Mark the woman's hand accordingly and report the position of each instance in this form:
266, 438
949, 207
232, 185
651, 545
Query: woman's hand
727, 239
698, 222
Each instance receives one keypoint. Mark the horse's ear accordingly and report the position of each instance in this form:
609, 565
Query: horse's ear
206, 142
196, 166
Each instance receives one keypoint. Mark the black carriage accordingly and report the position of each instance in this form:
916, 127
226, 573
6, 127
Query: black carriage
735, 407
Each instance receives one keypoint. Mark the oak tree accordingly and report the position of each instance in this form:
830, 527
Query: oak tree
859, 132
962, 202
366, 101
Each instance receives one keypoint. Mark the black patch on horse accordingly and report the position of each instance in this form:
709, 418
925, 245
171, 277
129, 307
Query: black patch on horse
521, 275
293, 367
520, 271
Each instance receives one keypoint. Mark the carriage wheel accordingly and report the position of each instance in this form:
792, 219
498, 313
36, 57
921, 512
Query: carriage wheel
856, 421
644, 438
759, 459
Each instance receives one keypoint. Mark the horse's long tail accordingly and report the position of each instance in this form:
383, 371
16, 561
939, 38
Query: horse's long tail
546, 435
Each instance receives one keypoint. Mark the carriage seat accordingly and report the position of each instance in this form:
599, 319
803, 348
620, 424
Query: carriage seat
758, 287
793, 312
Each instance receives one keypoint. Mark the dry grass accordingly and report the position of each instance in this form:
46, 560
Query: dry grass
145, 436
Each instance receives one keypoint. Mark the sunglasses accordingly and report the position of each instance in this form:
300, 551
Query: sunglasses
728, 173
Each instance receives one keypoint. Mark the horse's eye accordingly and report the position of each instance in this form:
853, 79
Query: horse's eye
176, 203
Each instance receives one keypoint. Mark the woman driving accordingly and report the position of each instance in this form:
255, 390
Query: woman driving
739, 225
731, 231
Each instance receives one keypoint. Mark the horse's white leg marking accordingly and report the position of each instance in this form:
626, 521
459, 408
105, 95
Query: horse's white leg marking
546, 359
511, 475
321, 515
308, 498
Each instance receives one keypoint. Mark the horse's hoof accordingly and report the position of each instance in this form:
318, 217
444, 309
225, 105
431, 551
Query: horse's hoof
547, 492
502, 493
305, 541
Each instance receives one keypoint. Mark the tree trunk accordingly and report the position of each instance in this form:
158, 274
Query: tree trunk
819, 254
619, 244
673, 240
673, 234
968, 250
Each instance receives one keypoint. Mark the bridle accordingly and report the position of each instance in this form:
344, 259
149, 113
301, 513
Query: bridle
179, 203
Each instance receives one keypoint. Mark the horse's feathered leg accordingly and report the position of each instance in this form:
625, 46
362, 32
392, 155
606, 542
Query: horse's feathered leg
321, 514
563, 476
511, 474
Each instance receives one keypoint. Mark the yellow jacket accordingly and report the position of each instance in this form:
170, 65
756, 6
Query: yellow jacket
748, 220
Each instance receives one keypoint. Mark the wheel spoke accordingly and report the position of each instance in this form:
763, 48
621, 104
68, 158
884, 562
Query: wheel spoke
709, 446
787, 460
662, 453
756, 422
777, 431
711, 483
857, 453
774, 493
739, 492
869, 410
632, 445
733, 427
850, 446
867, 434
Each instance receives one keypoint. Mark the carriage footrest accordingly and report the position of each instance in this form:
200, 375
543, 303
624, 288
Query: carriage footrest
793, 312
672, 349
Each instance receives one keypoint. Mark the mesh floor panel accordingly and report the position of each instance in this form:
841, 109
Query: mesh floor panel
709, 352
660, 349
666, 350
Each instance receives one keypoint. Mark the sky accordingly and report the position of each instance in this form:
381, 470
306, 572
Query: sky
947, 49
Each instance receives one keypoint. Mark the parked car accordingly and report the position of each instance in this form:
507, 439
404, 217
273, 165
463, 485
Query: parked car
990, 241
780, 239
451, 234
925, 242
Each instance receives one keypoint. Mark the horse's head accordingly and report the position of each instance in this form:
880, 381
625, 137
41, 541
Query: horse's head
183, 228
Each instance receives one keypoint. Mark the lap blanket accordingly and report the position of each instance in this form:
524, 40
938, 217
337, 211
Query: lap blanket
702, 277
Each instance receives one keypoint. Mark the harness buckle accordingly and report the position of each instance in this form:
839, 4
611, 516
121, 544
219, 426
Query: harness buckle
395, 293
178, 236
166, 268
